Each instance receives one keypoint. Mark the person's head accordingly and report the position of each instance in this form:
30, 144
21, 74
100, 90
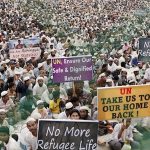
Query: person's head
92, 84
40, 81
84, 112
127, 122
27, 80
12, 86
56, 86
2, 115
4, 134
40, 104
69, 107
29, 94
50, 87
12, 64
28, 66
78, 84
110, 61
32, 126
75, 101
74, 114
56, 95
5, 96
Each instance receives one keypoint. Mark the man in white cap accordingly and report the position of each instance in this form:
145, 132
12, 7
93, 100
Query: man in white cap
5, 102
3, 121
39, 87
65, 114
30, 138
84, 113
40, 109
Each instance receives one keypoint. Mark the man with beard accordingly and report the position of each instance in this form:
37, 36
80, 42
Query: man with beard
39, 88
31, 136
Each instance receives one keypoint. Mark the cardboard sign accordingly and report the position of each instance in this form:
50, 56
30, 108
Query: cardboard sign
144, 49
72, 69
67, 135
25, 53
27, 43
123, 102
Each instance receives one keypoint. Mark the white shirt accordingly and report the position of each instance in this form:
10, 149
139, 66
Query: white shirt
6, 106
31, 141
127, 132
62, 115
12, 145
147, 74
46, 96
37, 90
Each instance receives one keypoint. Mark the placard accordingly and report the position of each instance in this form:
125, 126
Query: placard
67, 135
72, 69
25, 53
123, 102
144, 49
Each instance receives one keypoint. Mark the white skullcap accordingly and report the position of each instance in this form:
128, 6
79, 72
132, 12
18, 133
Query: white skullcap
110, 59
4, 93
40, 65
39, 102
2, 110
40, 78
118, 68
26, 78
102, 75
3, 62
84, 108
69, 105
7, 61
46, 52
109, 80
30, 119
18, 72
136, 69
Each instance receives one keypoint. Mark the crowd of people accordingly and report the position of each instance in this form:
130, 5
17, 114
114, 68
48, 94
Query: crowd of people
109, 30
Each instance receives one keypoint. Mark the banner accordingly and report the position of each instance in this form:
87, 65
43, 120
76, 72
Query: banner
67, 135
72, 69
25, 53
24, 43
144, 49
123, 102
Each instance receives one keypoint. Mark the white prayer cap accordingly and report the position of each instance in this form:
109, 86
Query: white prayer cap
124, 70
69, 105
26, 78
109, 80
39, 102
2, 110
84, 108
18, 72
3, 62
46, 52
40, 78
40, 65
102, 75
136, 69
110, 59
30, 119
118, 68
4, 93
7, 61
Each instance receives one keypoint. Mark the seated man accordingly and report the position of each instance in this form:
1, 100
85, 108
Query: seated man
123, 134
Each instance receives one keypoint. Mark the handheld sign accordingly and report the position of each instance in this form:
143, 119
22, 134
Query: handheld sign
123, 102
144, 49
67, 135
25, 53
72, 69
